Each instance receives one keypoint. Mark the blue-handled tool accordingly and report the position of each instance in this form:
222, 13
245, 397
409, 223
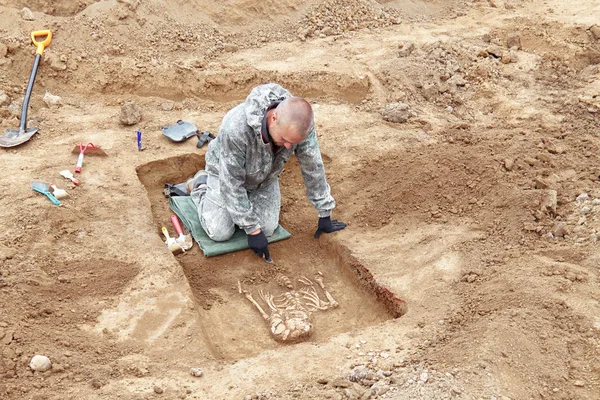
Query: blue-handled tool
139, 140
44, 188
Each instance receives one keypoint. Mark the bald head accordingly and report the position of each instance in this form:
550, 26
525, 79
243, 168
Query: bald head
297, 114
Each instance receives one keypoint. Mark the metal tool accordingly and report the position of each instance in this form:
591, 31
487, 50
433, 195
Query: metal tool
90, 149
15, 137
44, 188
185, 241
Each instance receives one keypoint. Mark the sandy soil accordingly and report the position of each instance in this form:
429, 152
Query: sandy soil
461, 143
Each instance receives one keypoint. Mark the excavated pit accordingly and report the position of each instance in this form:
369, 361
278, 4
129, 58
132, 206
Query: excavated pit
232, 326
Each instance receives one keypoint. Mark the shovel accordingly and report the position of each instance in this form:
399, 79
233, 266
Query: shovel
15, 137
44, 188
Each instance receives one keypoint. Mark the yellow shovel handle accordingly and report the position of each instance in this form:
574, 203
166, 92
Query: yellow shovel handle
45, 43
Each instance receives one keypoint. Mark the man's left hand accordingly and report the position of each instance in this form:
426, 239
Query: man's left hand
327, 225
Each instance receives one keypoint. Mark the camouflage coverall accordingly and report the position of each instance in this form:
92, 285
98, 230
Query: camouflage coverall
243, 171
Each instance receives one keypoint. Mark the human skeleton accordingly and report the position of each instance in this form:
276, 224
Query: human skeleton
289, 318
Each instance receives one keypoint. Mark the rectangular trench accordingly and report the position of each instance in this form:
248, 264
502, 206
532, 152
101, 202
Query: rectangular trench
231, 324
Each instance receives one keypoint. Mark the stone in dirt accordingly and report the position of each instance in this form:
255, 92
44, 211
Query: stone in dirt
197, 372
27, 15
3, 50
40, 363
4, 99
168, 105
595, 31
540, 183
548, 201
560, 230
131, 113
14, 108
158, 390
406, 49
52, 101
513, 40
397, 112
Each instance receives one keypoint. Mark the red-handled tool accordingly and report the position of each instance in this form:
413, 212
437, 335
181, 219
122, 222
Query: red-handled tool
185, 241
81, 149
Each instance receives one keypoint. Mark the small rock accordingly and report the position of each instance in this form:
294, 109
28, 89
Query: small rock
457, 80
406, 49
52, 101
582, 197
4, 99
579, 383
158, 390
540, 183
593, 56
430, 91
131, 113
14, 108
379, 388
323, 381
27, 15
509, 164
3, 50
197, 372
555, 148
397, 112
513, 40
167, 105
96, 383
548, 201
358, 373
595, 31
230, 48
559, 230
424, 377
40, 363
340, 383
58, 65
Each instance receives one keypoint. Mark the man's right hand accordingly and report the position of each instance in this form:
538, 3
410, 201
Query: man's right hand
258, 242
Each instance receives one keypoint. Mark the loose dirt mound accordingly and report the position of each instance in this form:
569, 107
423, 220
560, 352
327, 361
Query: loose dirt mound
460, 143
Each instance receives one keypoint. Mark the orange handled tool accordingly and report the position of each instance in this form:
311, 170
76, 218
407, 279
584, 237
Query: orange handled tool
15, 137
41, 46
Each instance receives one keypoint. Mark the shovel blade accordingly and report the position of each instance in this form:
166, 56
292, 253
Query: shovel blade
15, 137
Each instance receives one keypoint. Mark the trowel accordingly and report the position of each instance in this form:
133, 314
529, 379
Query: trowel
44, 188
15, 137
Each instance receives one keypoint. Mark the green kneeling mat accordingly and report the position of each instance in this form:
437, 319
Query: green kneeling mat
186, 210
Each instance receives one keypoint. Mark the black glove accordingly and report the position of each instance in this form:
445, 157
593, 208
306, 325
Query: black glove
326, 225
259, 244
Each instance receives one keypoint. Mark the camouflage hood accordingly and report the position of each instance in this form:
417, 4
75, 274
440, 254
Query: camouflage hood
259, 99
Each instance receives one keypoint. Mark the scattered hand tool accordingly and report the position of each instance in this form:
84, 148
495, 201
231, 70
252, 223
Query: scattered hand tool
183, 130
58, 193
139, 140
15, 137
44, 188
89, 149
69, 175
171, 243
185, 241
